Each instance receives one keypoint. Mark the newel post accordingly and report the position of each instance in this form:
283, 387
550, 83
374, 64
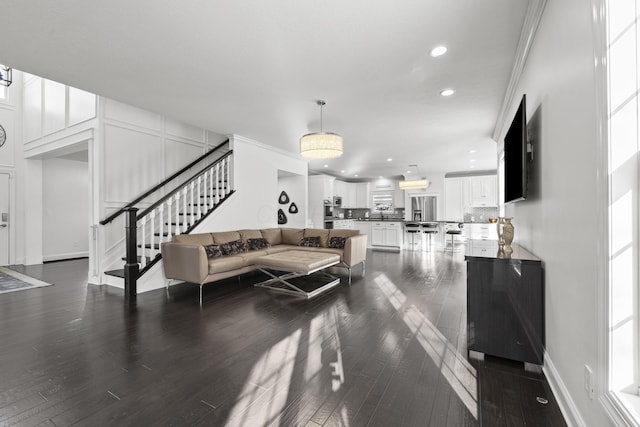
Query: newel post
131, 268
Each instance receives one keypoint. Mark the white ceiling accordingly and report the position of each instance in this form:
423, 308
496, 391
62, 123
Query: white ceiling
256, 68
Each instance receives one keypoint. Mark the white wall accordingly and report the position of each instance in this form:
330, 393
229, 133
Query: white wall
65, 204
255, 205
559, 222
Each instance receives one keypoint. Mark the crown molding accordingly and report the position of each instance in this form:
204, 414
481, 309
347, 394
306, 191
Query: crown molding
527, 35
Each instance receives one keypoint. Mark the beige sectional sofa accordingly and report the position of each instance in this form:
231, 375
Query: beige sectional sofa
185, 257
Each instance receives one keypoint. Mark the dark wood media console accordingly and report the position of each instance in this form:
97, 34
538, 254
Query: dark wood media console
505, 304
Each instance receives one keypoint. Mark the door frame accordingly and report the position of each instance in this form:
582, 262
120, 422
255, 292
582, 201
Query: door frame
12, 215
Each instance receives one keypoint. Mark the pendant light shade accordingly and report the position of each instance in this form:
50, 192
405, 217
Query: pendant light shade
414, 184
321, 145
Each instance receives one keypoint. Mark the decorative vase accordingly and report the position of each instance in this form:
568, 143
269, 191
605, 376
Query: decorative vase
507, 233
500, 228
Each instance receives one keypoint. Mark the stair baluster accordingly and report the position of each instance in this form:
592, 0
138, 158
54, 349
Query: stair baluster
192, 190
198, 198
161, 223
185, 196
143, 228
217, 183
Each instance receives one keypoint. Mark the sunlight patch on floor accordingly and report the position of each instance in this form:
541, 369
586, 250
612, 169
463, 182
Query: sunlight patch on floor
265, 392
454, 367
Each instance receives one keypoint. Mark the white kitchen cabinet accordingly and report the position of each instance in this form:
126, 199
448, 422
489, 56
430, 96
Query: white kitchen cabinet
364, 227
340, 189
328, 190
344, 224
483, 190
487, 248
362, 195
351, 197
386, 234
480, 231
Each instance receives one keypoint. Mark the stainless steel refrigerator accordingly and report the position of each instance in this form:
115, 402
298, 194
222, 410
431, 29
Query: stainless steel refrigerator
424, 208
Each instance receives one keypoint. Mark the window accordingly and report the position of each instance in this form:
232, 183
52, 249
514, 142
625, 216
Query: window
623, 52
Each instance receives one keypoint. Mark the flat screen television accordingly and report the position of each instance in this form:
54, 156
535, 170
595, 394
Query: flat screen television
516, 158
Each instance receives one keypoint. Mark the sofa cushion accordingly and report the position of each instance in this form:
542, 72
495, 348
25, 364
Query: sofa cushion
198, 239
343, 233
318, 232
245, 235
225, 263
292, 236
233, 248
258, 243
337, 242
273, 235
310, 242
225, 236
212, 251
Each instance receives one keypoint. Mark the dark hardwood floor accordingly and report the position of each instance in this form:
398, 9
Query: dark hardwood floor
389, 350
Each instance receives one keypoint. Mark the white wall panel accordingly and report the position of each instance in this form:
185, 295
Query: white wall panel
132, 164
183, 130
129, 114
7, 151
82, 106
65, 222
32, 109
55, 106
178, 154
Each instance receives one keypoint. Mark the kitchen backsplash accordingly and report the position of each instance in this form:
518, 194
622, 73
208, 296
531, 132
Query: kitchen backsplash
361, 213
480, 214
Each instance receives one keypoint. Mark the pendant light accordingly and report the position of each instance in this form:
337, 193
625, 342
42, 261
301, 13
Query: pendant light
321, 145
414, 184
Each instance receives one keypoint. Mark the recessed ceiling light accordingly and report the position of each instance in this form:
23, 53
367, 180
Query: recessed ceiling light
408, 171
438, 51
471, 167
326, 166
472, 151
389, 159
355, 175
341, 171
447, 92
472, 160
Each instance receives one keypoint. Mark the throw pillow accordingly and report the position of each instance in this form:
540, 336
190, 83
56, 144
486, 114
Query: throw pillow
311, 242
336, 242
212, 251
258, 243
233, 247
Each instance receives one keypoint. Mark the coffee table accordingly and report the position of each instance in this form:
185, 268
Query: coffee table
305, 266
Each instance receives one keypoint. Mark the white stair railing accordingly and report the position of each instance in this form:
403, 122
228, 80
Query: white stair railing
179, 212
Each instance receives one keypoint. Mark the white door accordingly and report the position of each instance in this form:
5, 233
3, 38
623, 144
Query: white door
4, 219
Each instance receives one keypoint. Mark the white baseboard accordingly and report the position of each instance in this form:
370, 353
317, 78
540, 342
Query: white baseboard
69, 255
561, 393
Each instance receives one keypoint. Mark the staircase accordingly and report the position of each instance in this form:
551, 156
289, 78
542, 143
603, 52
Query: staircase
176, 211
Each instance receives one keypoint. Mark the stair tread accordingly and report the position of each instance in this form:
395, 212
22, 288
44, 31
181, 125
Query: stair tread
115, 273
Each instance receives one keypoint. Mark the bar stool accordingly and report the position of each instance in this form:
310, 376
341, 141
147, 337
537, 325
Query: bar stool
430, 228
412, 228
453, 229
